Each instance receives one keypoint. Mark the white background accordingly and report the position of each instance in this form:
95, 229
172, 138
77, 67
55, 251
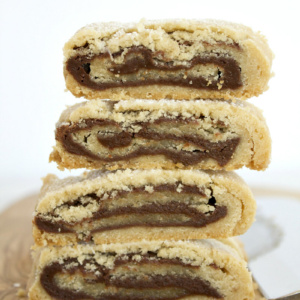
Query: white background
32, 35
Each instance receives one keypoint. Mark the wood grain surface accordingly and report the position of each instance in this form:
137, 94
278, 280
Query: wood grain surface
15, 243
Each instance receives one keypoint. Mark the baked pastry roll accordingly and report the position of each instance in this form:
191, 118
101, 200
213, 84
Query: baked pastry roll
175, 59
203, 269
133, 205
146, 134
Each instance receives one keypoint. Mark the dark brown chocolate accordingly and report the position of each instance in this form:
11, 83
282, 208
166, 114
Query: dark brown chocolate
196, 219
142, 58
112, 141
219, 151
183, 285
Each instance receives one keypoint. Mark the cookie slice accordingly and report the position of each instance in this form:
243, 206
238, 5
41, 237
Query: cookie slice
204, 269
174, 59
126, 206
146, 134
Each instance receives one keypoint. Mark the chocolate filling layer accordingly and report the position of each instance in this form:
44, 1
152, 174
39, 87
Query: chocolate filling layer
126, 286
196, 218
221, 151
138, 58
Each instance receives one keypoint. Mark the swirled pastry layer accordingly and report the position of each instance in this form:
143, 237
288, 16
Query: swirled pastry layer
130, 205
206, 269
166, 134
177, 59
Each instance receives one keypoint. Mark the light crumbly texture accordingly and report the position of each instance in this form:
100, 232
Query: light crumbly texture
204, 267
174, 59
147, 134
126, 206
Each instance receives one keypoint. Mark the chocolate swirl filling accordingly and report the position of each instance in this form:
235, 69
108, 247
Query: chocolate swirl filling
126, 286
220, 151
143, 59
175, 213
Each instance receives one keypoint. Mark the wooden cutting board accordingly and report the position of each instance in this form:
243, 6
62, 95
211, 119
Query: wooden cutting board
15, 243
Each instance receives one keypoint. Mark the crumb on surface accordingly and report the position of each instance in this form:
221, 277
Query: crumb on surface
21, 293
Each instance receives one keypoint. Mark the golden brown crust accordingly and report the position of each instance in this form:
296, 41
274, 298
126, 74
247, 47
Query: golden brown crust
227, 188
243, 120
234, 284
169, 37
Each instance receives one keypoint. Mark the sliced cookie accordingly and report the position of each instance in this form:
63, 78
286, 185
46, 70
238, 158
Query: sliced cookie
204, 269
175, 59
132, 205
146, 134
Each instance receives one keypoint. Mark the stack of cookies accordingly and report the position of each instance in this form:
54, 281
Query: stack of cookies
164, 127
